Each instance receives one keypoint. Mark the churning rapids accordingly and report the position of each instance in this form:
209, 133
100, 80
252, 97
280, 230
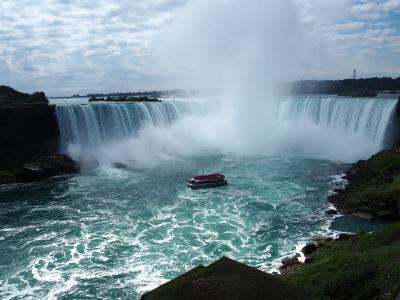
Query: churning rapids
116, 233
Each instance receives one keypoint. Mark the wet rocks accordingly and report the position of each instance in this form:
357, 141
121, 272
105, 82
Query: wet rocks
309, 248
345, 236
30, 173
310, 251
331, 211
119, 165
321, 241
289, 264
43, 168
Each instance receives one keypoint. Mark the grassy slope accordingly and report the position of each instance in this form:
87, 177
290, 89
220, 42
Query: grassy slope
375, 183
364, 267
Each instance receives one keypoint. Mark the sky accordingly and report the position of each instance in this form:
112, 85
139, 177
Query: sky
64, 47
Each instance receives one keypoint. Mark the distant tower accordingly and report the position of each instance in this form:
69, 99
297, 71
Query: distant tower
354, 74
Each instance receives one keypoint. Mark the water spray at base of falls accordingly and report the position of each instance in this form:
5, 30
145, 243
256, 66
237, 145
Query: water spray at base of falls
143, 134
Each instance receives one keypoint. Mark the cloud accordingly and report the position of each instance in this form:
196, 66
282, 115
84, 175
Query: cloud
70, 46
348, 34
90, 44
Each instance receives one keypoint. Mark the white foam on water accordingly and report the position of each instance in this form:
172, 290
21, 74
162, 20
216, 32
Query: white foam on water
62, 288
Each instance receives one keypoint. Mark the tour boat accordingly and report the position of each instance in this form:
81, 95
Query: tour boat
206, 181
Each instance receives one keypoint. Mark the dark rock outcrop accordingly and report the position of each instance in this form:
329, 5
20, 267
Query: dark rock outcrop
28, 127
29, 136
345, 236
227, 279
49, 166
43, 168
309, 248
392, 134
27, 133
119, 165
289, 264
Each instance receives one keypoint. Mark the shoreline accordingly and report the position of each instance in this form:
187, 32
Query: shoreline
345, 180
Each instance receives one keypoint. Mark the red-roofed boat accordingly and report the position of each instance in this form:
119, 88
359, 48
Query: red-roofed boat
206, 181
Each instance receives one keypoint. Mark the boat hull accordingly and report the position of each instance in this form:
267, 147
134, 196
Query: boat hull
197, 186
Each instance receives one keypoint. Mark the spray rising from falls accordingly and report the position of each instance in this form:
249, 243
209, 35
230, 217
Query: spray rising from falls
94, 125
142, 134
93, 131
337, 128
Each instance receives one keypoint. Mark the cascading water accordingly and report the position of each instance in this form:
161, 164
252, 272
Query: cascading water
93, 125
318, 127
366, 117
335, 128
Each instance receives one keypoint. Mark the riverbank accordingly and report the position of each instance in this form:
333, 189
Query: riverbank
363, 266
373, 189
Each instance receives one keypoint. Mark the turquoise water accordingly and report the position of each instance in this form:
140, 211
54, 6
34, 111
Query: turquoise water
117, 233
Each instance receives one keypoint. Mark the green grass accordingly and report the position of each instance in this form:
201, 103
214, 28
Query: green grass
376, 182
366, 267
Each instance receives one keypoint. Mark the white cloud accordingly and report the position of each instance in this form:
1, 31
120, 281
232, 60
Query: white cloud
358, 34
69, 46
79, 45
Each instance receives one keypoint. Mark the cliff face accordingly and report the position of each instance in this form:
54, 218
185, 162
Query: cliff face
392, 138
28, 127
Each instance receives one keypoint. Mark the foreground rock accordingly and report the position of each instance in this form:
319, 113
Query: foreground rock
374, 187
227, 279
43, 168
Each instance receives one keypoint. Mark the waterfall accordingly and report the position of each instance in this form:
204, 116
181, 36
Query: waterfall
96, 124
335, 128
366, 117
